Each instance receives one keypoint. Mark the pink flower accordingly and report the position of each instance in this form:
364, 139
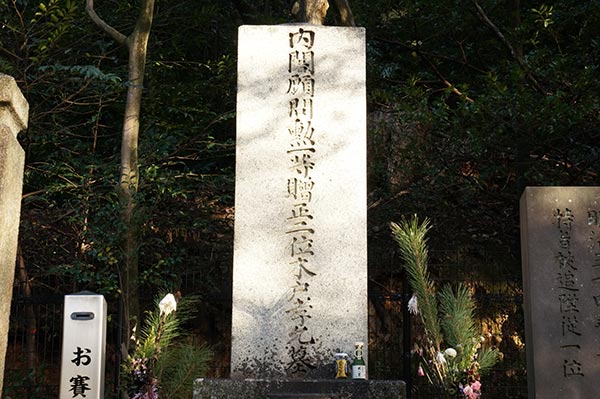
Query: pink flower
420, 372
476, 386
468, 391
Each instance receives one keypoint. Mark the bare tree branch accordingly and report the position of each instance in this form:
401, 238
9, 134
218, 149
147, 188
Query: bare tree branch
112, 32
483, 16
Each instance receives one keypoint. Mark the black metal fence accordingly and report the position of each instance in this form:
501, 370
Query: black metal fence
391, 351
33, 351
33, 354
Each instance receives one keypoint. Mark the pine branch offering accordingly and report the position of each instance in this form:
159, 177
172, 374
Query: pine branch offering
448, 318
164, 360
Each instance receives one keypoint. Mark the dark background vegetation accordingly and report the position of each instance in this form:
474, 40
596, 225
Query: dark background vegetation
468, 102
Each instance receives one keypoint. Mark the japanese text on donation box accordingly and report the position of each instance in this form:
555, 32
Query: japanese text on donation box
80, 382
83, 346
300, 229
569, 287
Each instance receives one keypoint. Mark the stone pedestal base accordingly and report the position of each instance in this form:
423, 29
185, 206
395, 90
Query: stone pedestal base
298, 389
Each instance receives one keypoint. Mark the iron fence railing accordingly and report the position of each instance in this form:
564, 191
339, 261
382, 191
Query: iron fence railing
33, 355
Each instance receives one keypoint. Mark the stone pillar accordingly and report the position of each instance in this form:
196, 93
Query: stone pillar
300, 248
300, 245
13, 118
560, 247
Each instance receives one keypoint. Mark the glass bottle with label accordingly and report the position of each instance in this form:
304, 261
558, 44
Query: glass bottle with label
359, 368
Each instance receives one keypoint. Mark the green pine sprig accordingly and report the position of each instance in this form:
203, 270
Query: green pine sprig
448, 317
168, 358
410, 236
458, 314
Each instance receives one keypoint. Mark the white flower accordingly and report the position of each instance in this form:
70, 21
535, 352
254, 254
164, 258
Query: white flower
167, 305
439, 358
413, 306
450, 352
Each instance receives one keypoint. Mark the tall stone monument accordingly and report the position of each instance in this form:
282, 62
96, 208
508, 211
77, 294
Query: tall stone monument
13, 118
300, 255
560, 237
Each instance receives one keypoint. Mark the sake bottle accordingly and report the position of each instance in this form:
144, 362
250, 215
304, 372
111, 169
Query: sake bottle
359, 368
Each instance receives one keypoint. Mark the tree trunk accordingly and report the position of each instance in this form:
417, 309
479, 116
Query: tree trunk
346, 16
137, 44
314, 11
30, 317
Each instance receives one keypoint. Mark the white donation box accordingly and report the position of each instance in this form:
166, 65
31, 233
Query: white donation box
83, 346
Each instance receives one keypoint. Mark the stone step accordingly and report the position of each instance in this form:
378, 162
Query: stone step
206, 388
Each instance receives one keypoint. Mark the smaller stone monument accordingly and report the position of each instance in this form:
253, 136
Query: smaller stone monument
560, 246
13, 118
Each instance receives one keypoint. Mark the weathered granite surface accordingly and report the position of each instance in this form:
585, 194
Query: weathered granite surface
13, 118
300, 256
560, 237
298, 389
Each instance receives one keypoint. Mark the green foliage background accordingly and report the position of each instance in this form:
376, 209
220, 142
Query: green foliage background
457, 128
